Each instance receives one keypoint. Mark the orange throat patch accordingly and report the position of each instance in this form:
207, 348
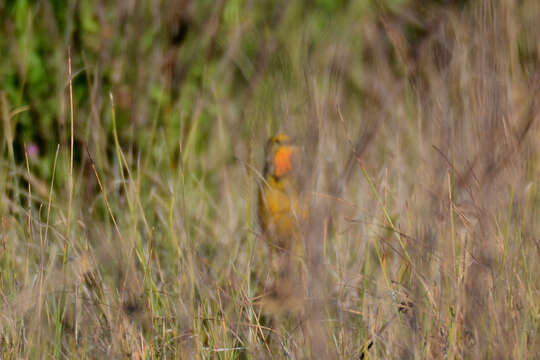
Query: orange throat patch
283, 161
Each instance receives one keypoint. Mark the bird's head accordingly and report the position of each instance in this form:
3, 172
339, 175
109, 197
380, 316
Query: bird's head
280, 156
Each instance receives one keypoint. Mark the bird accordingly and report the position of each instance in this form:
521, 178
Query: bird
282, 212
279, 204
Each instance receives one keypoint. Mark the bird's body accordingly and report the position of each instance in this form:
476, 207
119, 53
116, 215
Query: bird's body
276, 212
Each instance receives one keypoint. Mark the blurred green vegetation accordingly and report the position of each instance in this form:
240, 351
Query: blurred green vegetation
157, 58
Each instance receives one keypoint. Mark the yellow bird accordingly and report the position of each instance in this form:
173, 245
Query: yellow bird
280, 208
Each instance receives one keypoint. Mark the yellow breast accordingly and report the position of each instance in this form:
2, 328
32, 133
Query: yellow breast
279, 212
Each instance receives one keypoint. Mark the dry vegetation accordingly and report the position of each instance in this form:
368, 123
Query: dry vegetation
128, 227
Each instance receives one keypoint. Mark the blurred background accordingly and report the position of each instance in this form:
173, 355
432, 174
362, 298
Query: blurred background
132, 142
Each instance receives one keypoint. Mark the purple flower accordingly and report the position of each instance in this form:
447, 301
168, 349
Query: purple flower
33, 150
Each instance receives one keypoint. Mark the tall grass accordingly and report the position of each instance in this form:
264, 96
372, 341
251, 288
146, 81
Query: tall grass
129, 229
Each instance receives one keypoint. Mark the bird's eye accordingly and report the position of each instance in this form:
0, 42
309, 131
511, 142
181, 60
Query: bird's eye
280, 139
